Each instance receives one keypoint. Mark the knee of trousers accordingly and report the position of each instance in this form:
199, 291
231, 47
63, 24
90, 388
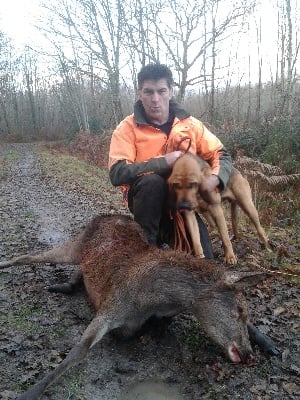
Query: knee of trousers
150, 183
149, 189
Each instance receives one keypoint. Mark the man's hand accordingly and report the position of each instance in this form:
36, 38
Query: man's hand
172, 157
211, 182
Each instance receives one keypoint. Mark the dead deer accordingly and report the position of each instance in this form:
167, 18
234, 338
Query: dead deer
128, 281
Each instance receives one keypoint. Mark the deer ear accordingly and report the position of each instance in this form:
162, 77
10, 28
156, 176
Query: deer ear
242, 279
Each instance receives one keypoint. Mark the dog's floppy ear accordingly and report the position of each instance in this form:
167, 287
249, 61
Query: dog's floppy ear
204, 172
171, 194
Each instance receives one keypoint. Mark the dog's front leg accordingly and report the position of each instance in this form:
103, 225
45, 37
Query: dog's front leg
191, 224
218, 215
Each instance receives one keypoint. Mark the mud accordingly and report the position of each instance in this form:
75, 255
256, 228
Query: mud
168, 360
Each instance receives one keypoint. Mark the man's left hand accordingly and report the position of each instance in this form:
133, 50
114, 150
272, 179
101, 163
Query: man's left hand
211, 182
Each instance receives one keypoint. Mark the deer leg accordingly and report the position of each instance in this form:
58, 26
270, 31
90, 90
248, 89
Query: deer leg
68, 287
67, 253
263, 341
93, 333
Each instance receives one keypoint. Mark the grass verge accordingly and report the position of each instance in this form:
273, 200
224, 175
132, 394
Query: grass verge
79, 175
6, 160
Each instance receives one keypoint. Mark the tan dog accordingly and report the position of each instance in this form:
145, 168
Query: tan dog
187, 188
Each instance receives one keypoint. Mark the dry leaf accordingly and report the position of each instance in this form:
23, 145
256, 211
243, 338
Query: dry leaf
278, 311
290, 388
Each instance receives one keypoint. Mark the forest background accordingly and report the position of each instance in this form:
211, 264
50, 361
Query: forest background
81, 75
236, 67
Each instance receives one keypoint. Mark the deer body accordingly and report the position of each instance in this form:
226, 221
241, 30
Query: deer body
128, 281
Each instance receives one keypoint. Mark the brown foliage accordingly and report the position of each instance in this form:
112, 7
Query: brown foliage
266, 176
275, 194
247, 163
91, 148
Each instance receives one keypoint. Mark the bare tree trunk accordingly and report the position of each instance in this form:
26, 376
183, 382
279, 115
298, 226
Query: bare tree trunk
289, 54
5, 117
81, 102
249, 92
259, 84
213, 66
31, 99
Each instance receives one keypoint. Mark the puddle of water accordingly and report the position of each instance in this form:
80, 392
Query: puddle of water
51, 232
51, 237
151, 390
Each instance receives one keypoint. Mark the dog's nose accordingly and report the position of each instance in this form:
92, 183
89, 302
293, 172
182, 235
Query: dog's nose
184, 205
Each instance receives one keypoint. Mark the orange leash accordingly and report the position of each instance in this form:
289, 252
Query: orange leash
181, 241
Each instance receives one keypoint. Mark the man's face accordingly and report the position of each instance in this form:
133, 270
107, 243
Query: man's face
155, 97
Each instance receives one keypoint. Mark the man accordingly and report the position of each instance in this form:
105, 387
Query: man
146, 144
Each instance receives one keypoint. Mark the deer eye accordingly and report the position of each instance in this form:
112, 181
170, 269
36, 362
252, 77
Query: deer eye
241, 313
240, 310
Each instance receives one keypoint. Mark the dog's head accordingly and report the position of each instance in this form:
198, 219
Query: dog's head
184, 183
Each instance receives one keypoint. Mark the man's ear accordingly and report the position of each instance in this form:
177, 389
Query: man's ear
171, 93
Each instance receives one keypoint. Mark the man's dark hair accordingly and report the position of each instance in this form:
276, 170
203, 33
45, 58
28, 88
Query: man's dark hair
154, 72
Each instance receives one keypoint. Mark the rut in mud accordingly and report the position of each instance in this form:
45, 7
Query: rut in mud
38, 328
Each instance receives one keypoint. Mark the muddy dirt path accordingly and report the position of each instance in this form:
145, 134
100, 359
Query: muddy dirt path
174, 361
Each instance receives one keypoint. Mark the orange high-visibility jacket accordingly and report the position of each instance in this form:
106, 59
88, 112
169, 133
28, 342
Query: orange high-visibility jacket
137, 148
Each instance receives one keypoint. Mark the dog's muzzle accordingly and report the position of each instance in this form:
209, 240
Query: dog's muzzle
184, 206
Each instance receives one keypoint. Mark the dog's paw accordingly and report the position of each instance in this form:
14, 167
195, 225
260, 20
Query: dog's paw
269, 246
230, 259
199, 255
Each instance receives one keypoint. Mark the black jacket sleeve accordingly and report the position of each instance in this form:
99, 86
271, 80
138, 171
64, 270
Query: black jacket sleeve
123, 173
225, 168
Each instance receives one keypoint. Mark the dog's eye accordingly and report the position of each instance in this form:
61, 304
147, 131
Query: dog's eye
176, 186
192, 185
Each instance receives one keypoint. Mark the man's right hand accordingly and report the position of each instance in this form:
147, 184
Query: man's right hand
172, 157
